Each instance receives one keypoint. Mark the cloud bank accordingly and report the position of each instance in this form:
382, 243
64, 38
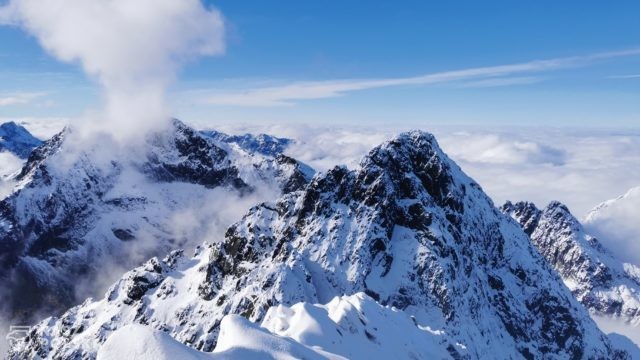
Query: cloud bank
581, 168
615, 223
496, 149
132, 48
9, 165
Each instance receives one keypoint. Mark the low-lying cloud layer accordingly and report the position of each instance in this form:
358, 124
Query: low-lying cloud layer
581, 168
616, 223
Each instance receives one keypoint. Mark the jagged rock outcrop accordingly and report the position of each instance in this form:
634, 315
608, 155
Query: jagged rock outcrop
603, 284
407, 227
83, 210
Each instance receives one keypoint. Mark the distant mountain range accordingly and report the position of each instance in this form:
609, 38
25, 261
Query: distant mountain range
17, 140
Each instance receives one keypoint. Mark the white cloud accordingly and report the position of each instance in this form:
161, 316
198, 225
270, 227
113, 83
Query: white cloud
581, 168
632, 76
497, 82
21, 98
502, 75
615, 223
9, 165
496, 149
617, 326
133, 48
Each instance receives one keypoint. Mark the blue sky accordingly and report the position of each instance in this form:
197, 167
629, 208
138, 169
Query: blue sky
305, 53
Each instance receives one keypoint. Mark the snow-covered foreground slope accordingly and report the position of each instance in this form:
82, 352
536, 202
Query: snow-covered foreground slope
84, 211
407, 227
348, 327
617, 223
607, 287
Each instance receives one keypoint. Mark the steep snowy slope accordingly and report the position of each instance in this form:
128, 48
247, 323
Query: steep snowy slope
407, 227
17, 140
84, 214
616, 223
349, 327
602, 283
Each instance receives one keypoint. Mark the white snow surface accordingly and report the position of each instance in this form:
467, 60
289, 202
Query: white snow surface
348, 327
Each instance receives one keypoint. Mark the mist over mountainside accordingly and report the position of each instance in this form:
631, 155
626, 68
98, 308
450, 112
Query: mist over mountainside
407, 227
608, 287
616, 222
81, 215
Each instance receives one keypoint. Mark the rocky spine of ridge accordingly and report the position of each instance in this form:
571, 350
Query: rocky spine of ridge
261, 143
75, 212
407, 227
602, 283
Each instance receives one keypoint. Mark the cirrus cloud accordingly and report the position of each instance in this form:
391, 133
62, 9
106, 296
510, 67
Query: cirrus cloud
289, 94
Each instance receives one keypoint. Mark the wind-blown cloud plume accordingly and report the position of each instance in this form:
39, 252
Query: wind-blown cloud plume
132, 48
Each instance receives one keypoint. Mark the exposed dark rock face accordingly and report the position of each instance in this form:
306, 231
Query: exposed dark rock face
408, 228
76, 213
603, 284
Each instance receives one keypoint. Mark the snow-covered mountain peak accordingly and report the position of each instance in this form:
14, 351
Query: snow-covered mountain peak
601, 282
17, 140
85, 211
407, 227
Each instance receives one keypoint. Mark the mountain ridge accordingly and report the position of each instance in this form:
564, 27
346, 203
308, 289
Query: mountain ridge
605, 285
407, 227
73, 212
